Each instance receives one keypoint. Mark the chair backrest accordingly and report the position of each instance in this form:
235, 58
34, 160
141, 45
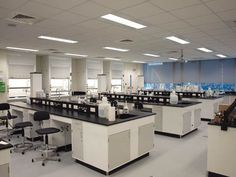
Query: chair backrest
41, 115
4, 106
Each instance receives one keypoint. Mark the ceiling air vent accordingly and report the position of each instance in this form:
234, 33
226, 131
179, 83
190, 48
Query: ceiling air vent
126, 40
24, 19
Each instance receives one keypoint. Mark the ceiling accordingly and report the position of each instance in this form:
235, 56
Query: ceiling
204, 23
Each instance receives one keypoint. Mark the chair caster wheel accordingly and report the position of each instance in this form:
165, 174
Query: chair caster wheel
43, 164
18, 136
59, 160
32, 160
9, 140
42, 155
23, 153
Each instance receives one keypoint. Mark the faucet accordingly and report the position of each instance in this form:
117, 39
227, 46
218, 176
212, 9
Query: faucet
58, 93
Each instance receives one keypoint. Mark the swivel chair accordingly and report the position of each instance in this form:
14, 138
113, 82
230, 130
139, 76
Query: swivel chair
5, 107
41, 116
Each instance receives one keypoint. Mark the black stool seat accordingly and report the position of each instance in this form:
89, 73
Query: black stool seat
46, 131
7, 117
23, 125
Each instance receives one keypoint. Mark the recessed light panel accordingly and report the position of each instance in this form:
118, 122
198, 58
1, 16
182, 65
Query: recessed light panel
151, 55
221, 56
138, 61
178, 40
174, 59
57, 39
109, 58
204, 49
76, 55
22, 49
155, 64
116, 49
123, 21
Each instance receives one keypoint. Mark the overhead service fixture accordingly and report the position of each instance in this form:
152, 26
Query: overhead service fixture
204, 49
180, 58
57, 39
116, 49
221, 55
123, 21
76, 55
22, 49
151, 55
178, 40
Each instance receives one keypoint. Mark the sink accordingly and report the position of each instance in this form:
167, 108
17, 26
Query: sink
125, 116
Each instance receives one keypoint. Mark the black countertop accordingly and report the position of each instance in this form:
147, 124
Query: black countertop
232, 125
181, 104
81, 116
4, 146
209, 98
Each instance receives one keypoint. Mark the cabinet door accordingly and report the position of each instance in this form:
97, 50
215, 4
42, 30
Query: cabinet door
187, 122
145, 138
77, 140
119, 149
4, 170
197, 118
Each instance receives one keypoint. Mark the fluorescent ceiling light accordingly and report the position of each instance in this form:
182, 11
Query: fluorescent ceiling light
221, 55
205, 49
151, 55
123, 21
174, 59
76, 55
22, 49
57, 39
115, 59
178, 40
116, 49
155, 64
138, 61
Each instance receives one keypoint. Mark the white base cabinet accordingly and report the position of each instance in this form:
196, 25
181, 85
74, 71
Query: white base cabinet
113, 145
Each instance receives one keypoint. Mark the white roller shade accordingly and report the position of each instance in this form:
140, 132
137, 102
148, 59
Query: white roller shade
20, 65
94, 68
60, 67
117, 70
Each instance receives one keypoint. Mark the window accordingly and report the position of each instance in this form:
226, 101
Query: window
116, 85
92, 85
19, 88
60, 86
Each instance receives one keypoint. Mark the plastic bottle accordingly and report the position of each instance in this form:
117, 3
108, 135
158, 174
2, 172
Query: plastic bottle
103, 108
173, 98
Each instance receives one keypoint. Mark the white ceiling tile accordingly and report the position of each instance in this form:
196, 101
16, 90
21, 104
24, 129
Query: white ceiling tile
229, 15
175, 25
208, 19
95, 10
221, 5
3, 12
71, 18
94, 24
62, 4
38, 10
119, 4
161, 18
12, 4
142, 10
192, 11
51, 24
174, 4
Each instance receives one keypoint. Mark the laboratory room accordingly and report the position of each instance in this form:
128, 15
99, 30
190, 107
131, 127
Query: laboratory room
120, 88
